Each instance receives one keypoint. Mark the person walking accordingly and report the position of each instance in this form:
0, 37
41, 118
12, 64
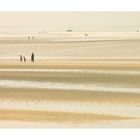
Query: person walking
24, 58
32, 57
20, 58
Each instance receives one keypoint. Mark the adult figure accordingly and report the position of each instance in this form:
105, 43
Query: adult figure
28, 37
20, 58
32, 57
24, 58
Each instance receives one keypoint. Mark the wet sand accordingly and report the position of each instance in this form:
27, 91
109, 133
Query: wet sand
59, 117
74, 82
71, 107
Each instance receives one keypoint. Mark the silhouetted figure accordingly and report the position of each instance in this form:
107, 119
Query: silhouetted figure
32, 57
28, 37
24, 58
86, 35
20, 58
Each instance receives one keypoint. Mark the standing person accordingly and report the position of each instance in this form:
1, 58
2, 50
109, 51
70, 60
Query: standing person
24, 58
20, 58
32, 57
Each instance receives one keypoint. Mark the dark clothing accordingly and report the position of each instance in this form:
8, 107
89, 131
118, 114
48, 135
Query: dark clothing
32, 57
20, 58
24, 59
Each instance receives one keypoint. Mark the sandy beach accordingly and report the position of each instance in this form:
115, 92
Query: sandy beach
72, 83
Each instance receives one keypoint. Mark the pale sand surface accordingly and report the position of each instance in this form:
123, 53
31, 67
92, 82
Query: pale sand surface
29, 115
67, 45
127, 46
69, 95
18, 115
39, 119
102, 124
74, 82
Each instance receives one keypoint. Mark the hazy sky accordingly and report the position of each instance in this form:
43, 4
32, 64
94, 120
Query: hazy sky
60, 21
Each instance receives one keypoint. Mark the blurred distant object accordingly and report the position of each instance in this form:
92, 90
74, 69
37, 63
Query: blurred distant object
69, 30
43, 32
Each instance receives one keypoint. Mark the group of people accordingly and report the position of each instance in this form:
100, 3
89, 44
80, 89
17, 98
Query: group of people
86, 35
31, 38
23, 58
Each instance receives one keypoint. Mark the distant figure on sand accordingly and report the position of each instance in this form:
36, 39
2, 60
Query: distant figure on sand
32, 57
24, 58
86, 35
20, 58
